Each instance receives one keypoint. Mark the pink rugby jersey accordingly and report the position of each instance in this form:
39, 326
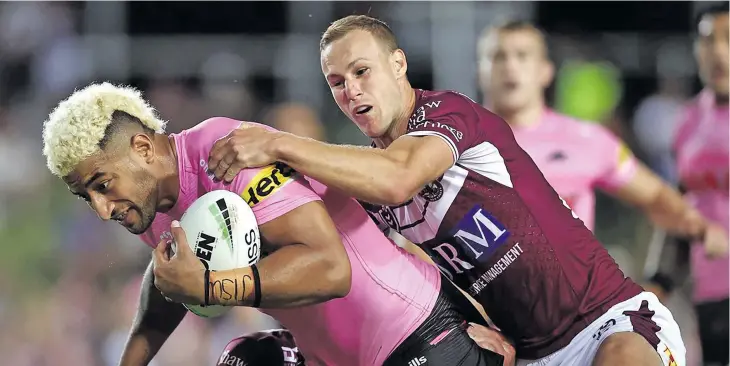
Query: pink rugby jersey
392, 291
577, 157
701, 151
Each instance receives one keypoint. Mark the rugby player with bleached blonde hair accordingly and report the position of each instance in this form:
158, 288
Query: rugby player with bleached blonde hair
82, 127
345, 292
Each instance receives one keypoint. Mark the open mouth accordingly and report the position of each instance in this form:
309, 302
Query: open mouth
363, 109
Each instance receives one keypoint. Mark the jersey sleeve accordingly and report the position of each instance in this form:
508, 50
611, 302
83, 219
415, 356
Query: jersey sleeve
619, 162
451, 117
273, 191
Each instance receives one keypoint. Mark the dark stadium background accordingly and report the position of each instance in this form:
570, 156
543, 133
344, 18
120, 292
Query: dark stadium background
565, 17
587, 20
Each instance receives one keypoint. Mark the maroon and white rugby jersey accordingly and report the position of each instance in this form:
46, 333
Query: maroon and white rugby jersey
499, 230
266, 348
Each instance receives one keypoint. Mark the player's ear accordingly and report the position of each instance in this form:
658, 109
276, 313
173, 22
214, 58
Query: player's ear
142, 145
400, 65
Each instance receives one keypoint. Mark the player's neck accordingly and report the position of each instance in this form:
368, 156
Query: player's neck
524, 117
399, 126
169, 188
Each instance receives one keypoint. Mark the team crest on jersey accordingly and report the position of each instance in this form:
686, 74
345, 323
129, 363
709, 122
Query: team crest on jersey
480, 234
432, 192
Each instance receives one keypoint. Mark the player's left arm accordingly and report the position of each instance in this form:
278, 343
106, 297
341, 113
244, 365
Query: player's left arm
633, 183
629, 180
308, 265
390, 176
662, 204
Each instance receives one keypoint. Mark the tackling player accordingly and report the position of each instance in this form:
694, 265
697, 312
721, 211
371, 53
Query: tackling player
448, 175
266, 348
701, 149
346, 293
575, 157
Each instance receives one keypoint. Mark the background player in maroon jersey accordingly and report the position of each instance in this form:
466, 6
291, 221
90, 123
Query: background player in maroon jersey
266, 348
452, 179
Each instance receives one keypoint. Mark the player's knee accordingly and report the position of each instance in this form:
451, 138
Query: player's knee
626, 349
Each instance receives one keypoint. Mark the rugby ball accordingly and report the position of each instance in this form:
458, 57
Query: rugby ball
222, 232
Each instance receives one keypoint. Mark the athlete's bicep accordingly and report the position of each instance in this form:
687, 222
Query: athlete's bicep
287, 208
308, 224
306, 262
424, 159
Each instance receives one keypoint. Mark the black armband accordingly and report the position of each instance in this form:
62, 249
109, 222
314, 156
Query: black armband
206, 282
256, 286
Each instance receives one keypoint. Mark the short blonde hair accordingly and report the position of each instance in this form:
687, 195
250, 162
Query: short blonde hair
78, 124
343, 26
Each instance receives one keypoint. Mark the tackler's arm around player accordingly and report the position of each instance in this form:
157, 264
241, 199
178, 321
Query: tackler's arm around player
154, 322
308, 265
384, 176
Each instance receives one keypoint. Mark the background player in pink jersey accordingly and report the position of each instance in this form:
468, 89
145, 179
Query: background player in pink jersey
701, 150
336, 283
448, 175
576, 157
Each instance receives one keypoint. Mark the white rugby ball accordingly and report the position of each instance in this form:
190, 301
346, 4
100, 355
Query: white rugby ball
222, 232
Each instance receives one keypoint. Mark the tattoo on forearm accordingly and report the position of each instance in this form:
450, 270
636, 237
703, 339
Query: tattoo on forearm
231, 291
224, 290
